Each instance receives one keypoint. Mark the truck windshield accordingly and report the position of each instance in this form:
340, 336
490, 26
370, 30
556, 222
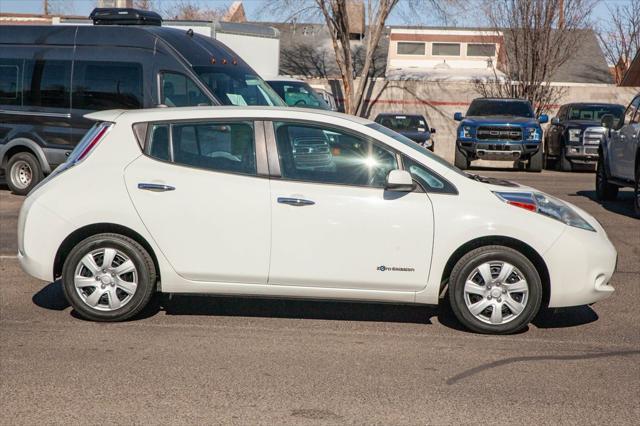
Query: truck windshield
233, 86
595, 112
497, 107
299, 94
403, 123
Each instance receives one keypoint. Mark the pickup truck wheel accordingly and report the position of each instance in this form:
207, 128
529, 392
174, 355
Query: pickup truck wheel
605, 191
636, 194
23, 173
535, 162
565, 165
461, 161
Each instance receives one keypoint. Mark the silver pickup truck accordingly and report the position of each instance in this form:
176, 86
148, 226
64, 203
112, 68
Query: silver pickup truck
619, 156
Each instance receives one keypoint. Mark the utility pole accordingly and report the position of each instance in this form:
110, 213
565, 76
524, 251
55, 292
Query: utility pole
45, 4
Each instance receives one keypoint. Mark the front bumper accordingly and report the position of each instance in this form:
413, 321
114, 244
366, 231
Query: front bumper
582, 153
497, 150
581, 264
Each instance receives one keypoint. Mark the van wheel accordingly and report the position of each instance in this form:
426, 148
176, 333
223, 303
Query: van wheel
108, 277
535, 162
495, 290
605, 191
461, 161
23, 173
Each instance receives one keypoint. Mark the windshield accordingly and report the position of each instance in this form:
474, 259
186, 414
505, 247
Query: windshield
487, 107
403, 123
298, 94
411, 144
595, 112
233, 86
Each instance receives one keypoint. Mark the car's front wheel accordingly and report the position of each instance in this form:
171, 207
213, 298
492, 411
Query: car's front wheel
108, 277
461, 161
495, 290
636, 193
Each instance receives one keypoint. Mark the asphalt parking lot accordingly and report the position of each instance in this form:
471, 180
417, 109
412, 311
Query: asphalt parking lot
245, 361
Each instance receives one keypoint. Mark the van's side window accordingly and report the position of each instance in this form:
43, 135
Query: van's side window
10, 93
99, 85
179, 90
47, 83
225, 147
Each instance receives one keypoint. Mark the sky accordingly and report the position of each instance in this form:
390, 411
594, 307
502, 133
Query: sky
254, 7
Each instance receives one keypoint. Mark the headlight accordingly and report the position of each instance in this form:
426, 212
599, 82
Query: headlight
574, 135
547, 205
465, 132
533, 134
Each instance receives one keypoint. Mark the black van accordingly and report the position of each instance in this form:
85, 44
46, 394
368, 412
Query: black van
51, 76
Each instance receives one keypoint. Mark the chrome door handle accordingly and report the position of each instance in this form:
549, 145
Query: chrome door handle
298, 202
155, 187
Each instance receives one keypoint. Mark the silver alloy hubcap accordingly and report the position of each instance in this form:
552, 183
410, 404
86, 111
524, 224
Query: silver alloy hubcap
496, 292
106, 279
21, 174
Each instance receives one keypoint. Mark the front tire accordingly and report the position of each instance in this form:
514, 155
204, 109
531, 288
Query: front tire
108, 277
461, 161
565, 164
23, 173
605, 191
535, 162
495, 290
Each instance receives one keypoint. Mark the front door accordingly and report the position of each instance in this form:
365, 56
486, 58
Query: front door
624, 142
198, 193
334, 225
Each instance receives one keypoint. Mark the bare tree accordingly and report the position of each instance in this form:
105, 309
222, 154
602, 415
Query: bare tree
620, 37
143, 4
193, 10
539, 37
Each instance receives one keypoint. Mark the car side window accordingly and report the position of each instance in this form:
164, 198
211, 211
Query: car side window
99, 85
636, 118
630, 115
179, 90
428, 180
321, 154
217, 146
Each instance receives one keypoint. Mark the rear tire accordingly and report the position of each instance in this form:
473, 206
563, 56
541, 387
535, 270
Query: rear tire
605, 191
108, 277
495, 290
23, 173
535, 162
461, 161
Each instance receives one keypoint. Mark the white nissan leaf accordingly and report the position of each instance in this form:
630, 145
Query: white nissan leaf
299, 203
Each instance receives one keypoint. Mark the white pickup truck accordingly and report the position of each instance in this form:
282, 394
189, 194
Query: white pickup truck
619, 159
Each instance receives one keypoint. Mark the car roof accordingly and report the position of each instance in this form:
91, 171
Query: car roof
396, 114
255, 112
593, 104
284, 78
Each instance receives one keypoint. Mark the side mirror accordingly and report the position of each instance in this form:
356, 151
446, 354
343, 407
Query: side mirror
555, 121
458, 116
399, 181
544, 118
607, 121
432, 130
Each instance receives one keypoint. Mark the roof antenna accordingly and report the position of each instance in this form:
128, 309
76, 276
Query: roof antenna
190, 32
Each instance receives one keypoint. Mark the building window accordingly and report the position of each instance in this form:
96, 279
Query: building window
476, 49
445, 49
410, 48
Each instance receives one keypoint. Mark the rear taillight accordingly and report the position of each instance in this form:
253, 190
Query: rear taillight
93, 142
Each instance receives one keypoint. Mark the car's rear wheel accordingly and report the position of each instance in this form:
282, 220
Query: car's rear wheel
461, 161
605, 191
108, 277
495, 290
23, 173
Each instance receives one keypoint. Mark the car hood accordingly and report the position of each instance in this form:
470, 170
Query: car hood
414, 135
499, 120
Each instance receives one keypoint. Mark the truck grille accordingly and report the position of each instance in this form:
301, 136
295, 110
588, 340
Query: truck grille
500, 133
593, 135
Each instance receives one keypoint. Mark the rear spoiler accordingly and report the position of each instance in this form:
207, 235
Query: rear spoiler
108, 115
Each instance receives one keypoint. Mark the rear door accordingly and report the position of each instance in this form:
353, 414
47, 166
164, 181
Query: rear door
200, 193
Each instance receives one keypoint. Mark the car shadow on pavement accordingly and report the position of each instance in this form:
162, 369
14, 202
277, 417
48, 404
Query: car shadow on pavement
52, 297
622, 205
